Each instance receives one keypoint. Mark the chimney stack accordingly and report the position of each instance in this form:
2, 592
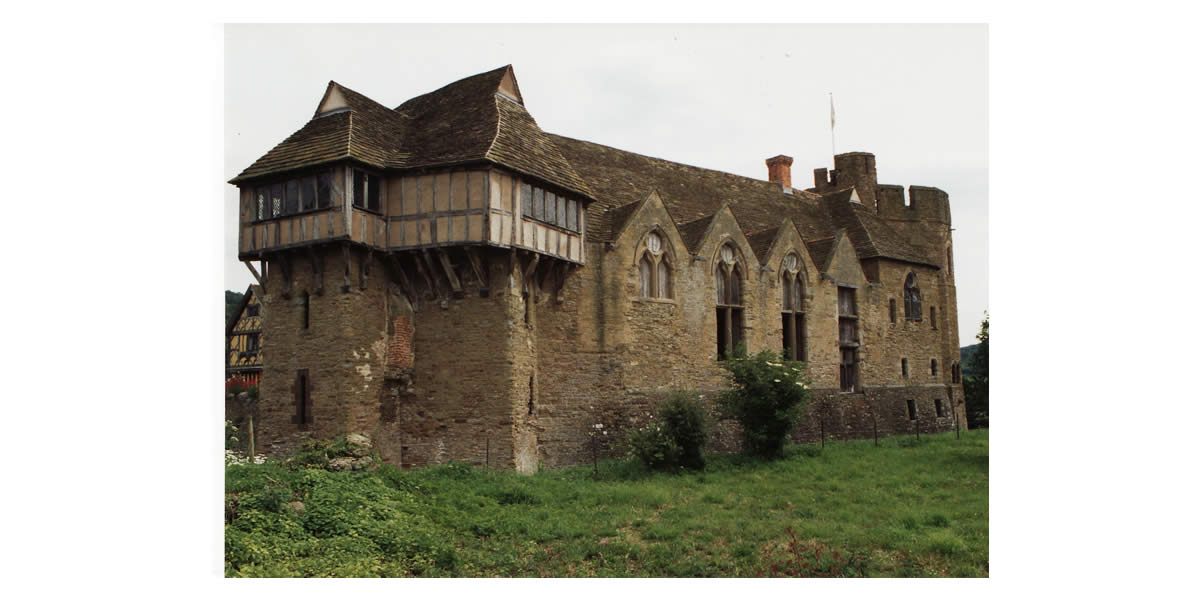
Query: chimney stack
779, 170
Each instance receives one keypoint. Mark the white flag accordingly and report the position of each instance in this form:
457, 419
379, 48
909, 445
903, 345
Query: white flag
831, 110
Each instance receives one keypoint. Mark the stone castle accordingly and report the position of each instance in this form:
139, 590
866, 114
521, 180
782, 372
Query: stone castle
460, 285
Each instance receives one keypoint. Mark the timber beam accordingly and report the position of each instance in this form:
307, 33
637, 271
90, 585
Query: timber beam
478, 269
451, 276
254, 272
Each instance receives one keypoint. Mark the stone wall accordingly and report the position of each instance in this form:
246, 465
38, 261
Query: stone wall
515, 373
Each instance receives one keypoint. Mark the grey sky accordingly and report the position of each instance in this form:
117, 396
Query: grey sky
723, 97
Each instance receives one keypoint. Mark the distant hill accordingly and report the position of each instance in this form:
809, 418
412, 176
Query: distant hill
966, 353
232, 300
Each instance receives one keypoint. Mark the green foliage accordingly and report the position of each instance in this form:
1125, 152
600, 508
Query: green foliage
232, 300
766, 396
887, 511
975, 386
653, 446
231, 435
685, 422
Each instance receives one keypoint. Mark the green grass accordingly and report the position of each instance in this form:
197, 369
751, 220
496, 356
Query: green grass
899, 510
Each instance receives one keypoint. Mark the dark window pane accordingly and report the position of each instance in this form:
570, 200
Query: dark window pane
722, 325
721, 275
735, 287
308, 193
526, 200
551, 208
324, 189
373, 192
292, 205
572, 215
539, 204
562, 212
360, 189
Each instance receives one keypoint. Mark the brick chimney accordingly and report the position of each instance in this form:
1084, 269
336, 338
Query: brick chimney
779, 170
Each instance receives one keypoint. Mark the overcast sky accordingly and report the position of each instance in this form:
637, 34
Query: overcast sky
722, 97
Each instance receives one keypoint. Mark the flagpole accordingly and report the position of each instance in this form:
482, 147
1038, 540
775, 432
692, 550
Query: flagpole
832, 139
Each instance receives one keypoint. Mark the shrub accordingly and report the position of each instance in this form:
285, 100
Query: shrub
654, 447
685, 422
766, 397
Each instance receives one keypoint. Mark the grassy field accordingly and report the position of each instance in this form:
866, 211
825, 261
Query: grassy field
904, 509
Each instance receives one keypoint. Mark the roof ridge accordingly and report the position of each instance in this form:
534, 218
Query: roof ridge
499, 117
806, 194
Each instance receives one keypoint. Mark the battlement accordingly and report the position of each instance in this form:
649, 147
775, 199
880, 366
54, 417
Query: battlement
923, 203
850, 168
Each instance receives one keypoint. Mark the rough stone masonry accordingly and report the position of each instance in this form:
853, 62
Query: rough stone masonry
460, 285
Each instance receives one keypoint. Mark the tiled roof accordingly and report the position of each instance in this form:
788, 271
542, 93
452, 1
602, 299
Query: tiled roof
819, 251
760, 242
367, 131
870, 236
689, 193
471, 121
693, 232
464, 122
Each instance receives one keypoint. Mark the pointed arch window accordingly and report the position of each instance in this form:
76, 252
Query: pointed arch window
730, 311
654, 269
912, 298
795, 346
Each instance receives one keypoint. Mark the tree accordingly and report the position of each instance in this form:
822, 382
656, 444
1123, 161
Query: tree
975, 387
766, 397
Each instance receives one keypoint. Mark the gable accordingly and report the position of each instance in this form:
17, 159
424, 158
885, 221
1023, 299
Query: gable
334, 100
844, 266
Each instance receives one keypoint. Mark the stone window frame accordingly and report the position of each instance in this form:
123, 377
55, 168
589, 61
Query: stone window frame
794, 313
650, 266
730, 310
912, 298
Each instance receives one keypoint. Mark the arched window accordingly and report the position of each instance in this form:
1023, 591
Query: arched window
654, 269
663, 280
646, 274
730, 313
792, 280
912, 298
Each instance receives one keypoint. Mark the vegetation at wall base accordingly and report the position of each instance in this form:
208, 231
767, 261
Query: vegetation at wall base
847, 510
766, 396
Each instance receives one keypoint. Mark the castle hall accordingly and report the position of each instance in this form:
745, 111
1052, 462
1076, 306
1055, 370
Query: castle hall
461, 285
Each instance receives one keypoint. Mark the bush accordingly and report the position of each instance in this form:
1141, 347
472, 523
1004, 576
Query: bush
685, 423
654, 447
767, 398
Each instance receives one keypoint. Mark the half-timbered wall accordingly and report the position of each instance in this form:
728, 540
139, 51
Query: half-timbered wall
245, 341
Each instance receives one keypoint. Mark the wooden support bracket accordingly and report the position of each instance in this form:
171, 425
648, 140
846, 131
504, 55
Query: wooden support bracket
451, 276
254, 272
434, 291
527, 276
399, 276
478, 269
564, 269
